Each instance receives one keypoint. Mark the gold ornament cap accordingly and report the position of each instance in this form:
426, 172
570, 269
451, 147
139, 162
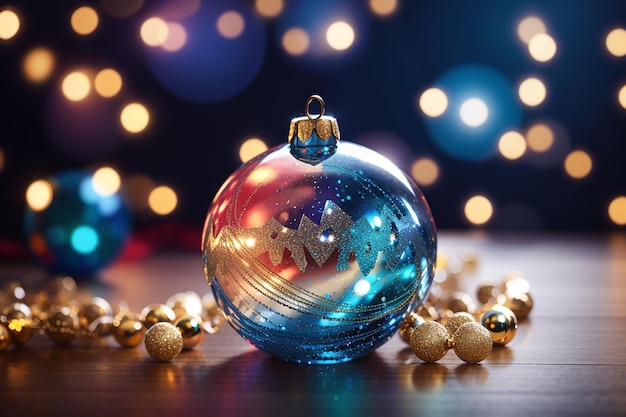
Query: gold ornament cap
313, 137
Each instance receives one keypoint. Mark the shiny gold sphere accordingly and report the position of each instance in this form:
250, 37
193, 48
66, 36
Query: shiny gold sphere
521, 304
485, 293
129, 333
459, 301
157, 313
429, 341
501, 323
191, 329
5, 337
62, 325
411, 321
101, 327
92, 309
163, 341
457, 320
472, 342
18, 318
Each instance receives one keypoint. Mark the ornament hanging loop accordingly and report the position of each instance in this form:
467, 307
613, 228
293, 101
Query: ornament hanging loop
307, 106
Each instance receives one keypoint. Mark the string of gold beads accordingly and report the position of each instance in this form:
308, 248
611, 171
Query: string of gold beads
57, 312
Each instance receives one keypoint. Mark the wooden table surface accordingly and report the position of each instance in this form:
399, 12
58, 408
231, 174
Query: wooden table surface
568, 358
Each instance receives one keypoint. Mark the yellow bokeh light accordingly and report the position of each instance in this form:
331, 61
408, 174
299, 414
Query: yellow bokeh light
84, 20
621, 96
616, 42
578, 164
425, 171
433, 102
76, 86
251, 148
617, 210
383, 7
176, 38
230, 24
512, 145
269, 8
540, 137
532, 92
162, 200
9, 24
295, 41
39, 195
154, 31
542, 47
38, 65
478, 210
135, 117
108, 82
340, 36
529, 27
106, 181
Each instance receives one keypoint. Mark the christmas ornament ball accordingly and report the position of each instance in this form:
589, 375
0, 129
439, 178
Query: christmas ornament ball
74, 227
317, 249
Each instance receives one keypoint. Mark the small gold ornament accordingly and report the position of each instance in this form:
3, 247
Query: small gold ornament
156, 313
410, 322
472, 342
163, 341
521, 304
62, 325
18, 318
93, 309
429, 341
5, 337
129, 332
501, 323
457, 320
191, 329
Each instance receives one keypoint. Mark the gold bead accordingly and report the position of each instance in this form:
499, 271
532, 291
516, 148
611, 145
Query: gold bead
521, 304
485, 293
191, 329
62, 325
429, 341
411, 321
501, 323
457, 320
163, 341
157, 313
5, 337
129, 332
92, 309
18, 318
472, 342
101, 327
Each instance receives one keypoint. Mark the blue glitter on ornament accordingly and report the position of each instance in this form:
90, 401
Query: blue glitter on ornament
309, 276
80, 231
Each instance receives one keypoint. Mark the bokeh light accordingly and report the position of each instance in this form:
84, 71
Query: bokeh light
295, 41
9, 24
621, 96
230, 24
340, 35
529, 27
108, 82
38, 64
251, 148
532, 91
542, 47
383, 7
474, 112
176, 37
616, 42
578, 164
154, 31
84, 239
425, 171
512, 145
76, 86
121, 8
84, 20
433, 102
617, 210
135, 117
162, 200
106, 181
539, 137
269, 8
39, 195
478, 210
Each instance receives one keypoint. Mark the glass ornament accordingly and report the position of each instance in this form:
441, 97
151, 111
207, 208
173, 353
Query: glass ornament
81, 230
317, 249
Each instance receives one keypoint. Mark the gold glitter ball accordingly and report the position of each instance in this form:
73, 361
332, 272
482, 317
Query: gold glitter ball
429, 341
472, 342
163, 341
457, 320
